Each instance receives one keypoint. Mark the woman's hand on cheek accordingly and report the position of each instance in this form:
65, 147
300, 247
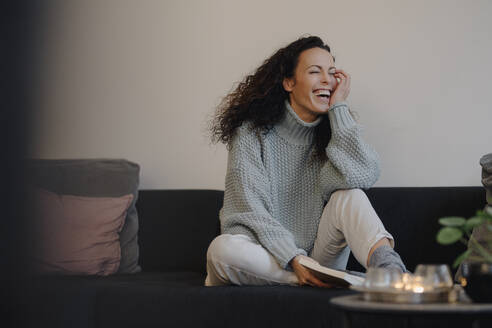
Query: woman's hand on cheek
342, 89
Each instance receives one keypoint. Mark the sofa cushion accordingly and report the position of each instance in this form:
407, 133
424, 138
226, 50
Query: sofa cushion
73, 301
227, 306
77, 235
177, 227
412, 213
95, 178
182, 223
177, 299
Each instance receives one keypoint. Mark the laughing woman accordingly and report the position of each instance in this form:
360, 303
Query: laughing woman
295, 170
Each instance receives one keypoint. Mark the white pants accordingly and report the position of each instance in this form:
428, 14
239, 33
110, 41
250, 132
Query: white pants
348, 222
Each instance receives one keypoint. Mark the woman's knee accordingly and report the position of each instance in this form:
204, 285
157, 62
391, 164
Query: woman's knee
348, 194
218, 248
216, 254
240, 260
225, 249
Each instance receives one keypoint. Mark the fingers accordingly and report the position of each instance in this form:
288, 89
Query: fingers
342, 88
342, 75
304, 276
316, 283
342, 72
319, 283
311, 280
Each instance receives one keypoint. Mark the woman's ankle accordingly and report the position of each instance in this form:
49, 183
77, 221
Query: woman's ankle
385, 257
381, 242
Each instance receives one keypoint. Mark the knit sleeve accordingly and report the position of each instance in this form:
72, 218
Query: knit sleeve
352, 163
247, 200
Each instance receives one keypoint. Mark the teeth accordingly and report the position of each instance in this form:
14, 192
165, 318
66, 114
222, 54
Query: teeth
322, 93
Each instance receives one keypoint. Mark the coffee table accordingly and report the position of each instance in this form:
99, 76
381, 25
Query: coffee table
360, 313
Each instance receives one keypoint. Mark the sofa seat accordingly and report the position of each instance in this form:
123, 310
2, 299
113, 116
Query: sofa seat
227, 306
175, 299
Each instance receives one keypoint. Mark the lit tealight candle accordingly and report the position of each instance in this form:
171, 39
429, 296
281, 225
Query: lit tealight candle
399, 285
416, 284
418, 289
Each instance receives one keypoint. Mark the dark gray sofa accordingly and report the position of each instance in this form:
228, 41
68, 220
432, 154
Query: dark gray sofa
175, 229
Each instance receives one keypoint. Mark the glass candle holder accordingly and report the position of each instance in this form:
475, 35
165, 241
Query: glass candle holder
434, 276
382, 278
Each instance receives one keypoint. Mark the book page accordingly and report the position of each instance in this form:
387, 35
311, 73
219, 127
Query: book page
335, 277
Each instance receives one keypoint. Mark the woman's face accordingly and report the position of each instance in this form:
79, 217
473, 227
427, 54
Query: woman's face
312, 84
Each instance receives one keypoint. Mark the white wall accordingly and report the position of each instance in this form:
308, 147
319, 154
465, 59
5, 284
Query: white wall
140, 79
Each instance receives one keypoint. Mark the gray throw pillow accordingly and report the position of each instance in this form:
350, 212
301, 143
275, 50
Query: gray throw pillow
95, 178
486, 163
481, 233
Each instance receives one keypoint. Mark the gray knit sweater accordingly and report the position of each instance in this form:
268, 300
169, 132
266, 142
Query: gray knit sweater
275, 194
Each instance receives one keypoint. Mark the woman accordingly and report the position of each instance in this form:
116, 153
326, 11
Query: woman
296, 167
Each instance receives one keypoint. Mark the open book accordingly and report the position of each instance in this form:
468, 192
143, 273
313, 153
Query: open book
331, 276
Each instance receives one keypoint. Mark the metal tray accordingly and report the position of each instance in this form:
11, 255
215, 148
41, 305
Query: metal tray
448, 295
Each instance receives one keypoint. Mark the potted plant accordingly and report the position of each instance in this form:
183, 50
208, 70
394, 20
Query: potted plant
476, 261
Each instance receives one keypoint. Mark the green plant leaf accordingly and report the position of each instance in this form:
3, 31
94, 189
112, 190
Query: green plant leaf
452, 221
486, 213
463, 256
474, 222
448, 235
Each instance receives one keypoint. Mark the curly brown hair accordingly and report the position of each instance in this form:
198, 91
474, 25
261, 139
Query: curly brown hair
260, 98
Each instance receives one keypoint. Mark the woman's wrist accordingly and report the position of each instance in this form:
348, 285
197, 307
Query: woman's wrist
338, 103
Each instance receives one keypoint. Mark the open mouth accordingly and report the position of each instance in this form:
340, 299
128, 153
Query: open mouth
323, 94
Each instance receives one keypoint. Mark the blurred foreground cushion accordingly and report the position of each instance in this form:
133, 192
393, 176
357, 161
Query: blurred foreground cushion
77, 235
95, 178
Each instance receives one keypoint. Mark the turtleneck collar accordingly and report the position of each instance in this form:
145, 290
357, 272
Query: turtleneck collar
294, 129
